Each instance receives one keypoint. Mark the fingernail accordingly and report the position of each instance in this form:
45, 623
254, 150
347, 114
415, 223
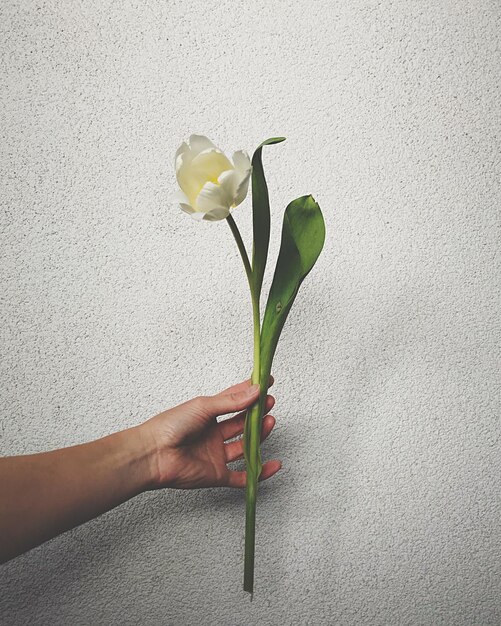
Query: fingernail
252, 390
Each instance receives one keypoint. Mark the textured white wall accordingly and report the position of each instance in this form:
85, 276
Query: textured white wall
115, 305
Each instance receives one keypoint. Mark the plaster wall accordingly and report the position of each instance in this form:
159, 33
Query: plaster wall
114, 305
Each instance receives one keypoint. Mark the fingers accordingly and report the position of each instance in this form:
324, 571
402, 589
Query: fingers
238, 479
235, 425
243, 386
230, 402
235, 449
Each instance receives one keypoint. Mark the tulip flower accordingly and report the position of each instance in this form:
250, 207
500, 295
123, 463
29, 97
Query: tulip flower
211, 186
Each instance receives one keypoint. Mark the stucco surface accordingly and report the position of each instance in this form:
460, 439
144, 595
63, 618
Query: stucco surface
115, 305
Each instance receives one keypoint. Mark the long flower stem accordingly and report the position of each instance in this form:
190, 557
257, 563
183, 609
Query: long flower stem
252, 440
242, 250
252, 428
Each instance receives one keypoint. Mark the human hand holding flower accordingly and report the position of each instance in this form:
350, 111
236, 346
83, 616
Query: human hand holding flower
191, 447
183, 447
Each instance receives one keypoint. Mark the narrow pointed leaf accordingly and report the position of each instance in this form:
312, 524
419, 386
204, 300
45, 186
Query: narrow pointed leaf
303, 235
260, 215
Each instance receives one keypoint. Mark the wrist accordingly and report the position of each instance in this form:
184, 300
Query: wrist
142, 458
161, 459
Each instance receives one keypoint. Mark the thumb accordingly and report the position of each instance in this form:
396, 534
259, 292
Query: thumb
230, 402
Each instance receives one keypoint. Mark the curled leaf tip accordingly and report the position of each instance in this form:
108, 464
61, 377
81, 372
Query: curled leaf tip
272, 140
310, 202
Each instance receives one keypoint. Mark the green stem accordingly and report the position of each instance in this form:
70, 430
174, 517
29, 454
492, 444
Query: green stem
252, 428
252, 440
242, 250
254, 297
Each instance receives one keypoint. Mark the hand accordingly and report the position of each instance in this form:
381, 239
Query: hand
190, 444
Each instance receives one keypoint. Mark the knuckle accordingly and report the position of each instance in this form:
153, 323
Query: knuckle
236, 398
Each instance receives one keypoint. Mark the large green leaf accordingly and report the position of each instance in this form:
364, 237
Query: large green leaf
303, 235
260, 215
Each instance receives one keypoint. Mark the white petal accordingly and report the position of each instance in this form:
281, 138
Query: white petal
236, 184
198, 143
216, 215
180, 153
242, 188
241, 180
212, 197
182, 148
210, 163
184, 156
204, 167
241, 160
180, 196
188, 183
183, 202
229, 181
187, 151
187, 208
197, 215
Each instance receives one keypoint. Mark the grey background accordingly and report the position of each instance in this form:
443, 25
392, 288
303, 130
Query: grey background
115, 305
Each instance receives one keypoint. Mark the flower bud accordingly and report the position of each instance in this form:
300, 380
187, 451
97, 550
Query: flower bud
211, 185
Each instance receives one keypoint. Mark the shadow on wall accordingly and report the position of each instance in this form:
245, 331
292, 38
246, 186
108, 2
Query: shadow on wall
321, 447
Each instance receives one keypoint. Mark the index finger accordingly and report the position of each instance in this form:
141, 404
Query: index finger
243, 386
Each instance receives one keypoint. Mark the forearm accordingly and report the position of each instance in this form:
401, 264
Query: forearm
43, 495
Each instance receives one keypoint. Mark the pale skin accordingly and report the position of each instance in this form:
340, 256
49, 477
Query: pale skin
43, 495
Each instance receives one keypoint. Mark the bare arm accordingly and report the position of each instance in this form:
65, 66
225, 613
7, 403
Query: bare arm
43, 495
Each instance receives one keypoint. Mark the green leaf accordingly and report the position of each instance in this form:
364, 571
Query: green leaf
271, 141
303, 235
260, 215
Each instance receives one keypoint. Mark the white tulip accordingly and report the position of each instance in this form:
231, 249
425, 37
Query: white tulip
211, 185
